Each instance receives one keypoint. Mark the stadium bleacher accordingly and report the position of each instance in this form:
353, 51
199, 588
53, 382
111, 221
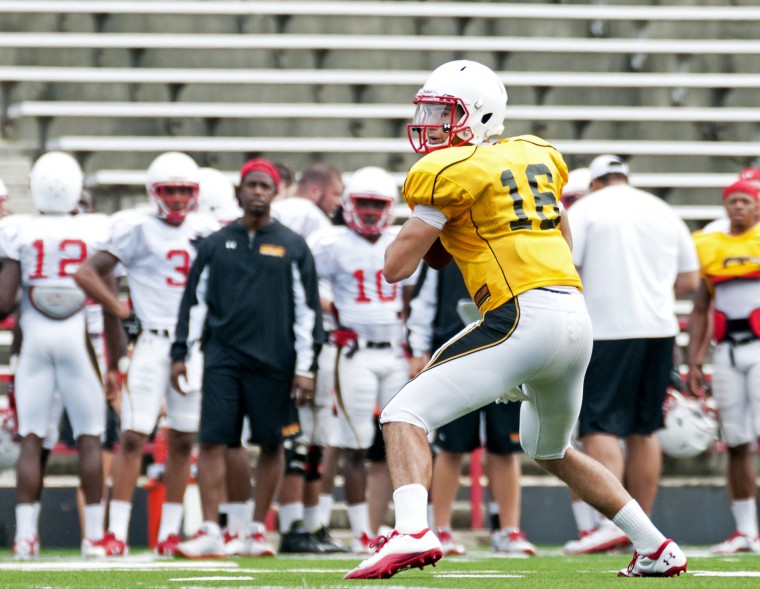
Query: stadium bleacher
671, 87
657, 78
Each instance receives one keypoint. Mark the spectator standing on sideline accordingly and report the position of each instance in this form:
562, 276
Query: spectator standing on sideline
494, 208
259, 359
42, 255
634, 255
435, 317
156, 247
304, 506
371, 365
730, 288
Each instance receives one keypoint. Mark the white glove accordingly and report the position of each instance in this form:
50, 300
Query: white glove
515, 395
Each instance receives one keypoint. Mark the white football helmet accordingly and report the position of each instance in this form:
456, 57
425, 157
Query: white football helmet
465, 100
217, 196
691, 426
578, 185
368, 201
173, 183
56, 182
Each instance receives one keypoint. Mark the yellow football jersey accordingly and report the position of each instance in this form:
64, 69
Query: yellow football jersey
724, 257
502, 206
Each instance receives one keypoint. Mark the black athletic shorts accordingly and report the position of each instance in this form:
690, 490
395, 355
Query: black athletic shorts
500, 421
231, 391
625, 386
376, 452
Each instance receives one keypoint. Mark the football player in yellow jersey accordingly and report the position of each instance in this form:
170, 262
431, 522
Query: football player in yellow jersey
730, 263
494, 208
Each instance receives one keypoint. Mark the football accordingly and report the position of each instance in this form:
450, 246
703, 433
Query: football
437, 257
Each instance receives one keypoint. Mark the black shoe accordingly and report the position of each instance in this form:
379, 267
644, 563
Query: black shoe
298, 540
328, 543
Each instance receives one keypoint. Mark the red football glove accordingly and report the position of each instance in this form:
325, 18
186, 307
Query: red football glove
343, 337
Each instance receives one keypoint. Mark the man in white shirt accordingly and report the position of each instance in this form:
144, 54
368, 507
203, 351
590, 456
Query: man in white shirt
633, 254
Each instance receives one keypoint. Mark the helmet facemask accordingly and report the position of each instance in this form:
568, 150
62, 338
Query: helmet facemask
368, 214
174, 200
439, 121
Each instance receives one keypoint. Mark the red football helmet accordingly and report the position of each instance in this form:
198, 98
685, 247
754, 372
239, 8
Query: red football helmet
368, 201
173, 184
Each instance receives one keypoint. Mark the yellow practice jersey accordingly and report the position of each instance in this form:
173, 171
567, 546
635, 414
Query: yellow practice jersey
502, 206
724, 257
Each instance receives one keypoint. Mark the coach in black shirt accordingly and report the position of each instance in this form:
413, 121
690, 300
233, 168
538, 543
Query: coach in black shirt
261, 338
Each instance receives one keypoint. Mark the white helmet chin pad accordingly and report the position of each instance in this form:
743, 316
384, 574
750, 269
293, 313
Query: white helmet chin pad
56, 182
464, 99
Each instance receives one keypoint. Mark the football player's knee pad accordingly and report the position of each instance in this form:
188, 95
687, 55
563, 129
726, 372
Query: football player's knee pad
295, 457
314, 463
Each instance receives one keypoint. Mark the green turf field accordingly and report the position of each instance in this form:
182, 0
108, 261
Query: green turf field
477, 570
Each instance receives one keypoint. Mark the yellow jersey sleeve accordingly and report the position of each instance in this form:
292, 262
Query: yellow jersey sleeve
502, 206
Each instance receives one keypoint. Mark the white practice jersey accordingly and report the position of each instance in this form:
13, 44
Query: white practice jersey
353, 266
300, 214
8, 227
50, 249
157, 258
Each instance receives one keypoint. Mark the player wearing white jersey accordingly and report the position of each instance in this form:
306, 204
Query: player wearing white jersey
371, 365
43, 253
156, 249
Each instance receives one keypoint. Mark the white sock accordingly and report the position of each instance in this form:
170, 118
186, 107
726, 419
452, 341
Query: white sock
37, 508
250, 505
639, 528
325, 509
171, 520
238, 518
410, 503
118, 519
431, 516
26, 521
289, 514
585, 516
358, 518
745, 515
94, 516
311, 518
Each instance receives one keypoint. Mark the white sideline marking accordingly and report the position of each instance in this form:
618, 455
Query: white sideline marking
122, 564
725, 573
477, 575
186, 579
